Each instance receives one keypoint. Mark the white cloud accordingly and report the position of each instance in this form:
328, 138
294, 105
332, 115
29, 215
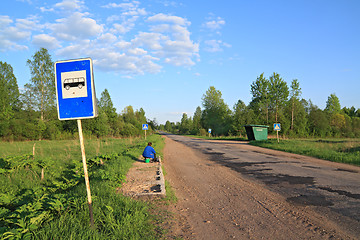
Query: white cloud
215, 45
107, 38
137, 51
76, 26
163, 39
69, 5
179, 53
4, 21
44, 9
118, 57
129, 14
31, 23
129, 8
148, 40
14, 34
6, 44
119, 5
28, 1
45, 41
171, 40
120, 62
168, 18
122, 45
125, 26
215, 24
170, 3
12, 37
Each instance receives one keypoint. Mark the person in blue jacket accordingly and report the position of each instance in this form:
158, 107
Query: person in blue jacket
149, 152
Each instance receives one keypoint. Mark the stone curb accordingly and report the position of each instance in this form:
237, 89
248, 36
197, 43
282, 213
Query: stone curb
159, 182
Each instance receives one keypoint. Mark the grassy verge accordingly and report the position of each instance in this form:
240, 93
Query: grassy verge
56, 207
336, 150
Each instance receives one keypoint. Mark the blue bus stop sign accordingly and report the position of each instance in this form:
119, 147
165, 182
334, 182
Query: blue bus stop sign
75, 89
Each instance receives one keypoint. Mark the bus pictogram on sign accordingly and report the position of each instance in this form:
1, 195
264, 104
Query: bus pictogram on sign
74, 82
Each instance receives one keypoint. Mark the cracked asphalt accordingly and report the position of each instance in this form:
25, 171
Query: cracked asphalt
331, 190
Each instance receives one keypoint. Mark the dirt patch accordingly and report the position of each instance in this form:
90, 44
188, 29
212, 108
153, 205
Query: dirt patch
144, 180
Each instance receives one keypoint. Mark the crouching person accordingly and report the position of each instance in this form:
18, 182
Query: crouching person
149, 153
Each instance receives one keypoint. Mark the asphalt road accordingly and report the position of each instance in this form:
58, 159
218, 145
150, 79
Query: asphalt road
330, 189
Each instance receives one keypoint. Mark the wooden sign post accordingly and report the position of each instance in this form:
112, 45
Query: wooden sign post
87, 182
277, 128
145, 127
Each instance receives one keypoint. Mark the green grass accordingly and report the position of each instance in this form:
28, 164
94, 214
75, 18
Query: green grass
64, 149
170, 194
56, 207
336, 150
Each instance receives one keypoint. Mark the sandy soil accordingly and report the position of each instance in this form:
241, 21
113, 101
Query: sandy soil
215, 202
141, 180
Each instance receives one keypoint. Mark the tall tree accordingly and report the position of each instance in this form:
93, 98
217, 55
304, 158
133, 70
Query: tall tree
42, 81
168, 126
9, 92
295, 93
140, 115
239, 117
9, 97
107, 105
318, 122
260, 95
197, 121
185, 124
216, 114
333, 104
278, 92
351, 112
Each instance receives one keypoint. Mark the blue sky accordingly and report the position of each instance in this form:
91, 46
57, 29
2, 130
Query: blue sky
163, 55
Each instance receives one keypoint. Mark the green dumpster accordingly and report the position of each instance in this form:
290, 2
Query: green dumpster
256, 132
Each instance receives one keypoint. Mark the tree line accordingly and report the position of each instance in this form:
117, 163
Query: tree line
31, 113
273, 101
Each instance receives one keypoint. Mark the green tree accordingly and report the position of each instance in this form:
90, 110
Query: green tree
338, 123
42, 81
9, 96
196, 121
140, 116
153, 124
278, 92
239, 118
351, 112
185, 124
107, 107
260, 96
356, 126
333, 104
168, 126
318, 122
9, 92
129, 116
216, 114
295, 93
